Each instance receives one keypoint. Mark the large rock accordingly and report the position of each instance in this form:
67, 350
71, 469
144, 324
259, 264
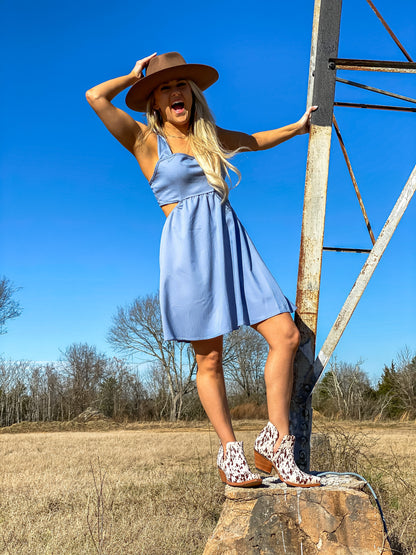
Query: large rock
335, 519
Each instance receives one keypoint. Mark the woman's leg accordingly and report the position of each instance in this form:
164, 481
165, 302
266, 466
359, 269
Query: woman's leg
283, 338
211, 386
232, 464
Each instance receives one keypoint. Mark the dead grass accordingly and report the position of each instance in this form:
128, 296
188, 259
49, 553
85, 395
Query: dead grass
161, 492
153, 488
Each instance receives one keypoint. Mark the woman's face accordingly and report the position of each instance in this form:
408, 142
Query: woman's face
174, 101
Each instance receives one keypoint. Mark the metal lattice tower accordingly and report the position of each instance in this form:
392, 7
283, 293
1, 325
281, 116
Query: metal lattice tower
324, 65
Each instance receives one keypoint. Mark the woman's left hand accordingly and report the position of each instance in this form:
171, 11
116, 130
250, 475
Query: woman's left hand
305, 121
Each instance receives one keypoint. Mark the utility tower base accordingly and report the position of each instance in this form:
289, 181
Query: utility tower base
337, 518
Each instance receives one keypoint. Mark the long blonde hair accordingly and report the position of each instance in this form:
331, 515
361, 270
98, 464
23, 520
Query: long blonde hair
203, 140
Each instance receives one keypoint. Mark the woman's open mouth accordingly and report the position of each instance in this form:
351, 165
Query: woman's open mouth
178, 107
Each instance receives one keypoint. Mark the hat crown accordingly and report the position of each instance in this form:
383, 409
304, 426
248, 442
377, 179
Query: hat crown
164, 68
164, 61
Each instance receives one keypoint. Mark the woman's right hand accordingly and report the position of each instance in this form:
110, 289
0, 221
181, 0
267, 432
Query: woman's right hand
137, 71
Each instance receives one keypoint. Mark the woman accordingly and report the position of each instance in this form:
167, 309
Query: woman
212, 279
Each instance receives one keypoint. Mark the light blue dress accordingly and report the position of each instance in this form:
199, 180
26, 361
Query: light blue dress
212, 279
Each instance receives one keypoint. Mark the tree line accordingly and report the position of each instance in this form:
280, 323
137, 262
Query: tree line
121, 390
163, 386
346, 391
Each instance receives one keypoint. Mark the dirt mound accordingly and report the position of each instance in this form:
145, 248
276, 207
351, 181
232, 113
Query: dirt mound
88, 421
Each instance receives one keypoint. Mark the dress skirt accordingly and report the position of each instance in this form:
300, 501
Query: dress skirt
212, 279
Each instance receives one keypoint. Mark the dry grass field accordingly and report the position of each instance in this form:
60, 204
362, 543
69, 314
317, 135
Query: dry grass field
153, 489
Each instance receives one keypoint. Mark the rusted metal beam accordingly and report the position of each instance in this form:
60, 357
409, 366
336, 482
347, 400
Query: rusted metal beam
344, 249
390, 32
372, 65
310, 258
321, 90
374, 89
364, 277
374, 106
354, 181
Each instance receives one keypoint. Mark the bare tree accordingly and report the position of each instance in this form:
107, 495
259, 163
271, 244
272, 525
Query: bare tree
13, 391
406, 381
36, 392
54, 393
84, 369
157, 386
138, 329
345, 390
245, 354
121, 392
9, 308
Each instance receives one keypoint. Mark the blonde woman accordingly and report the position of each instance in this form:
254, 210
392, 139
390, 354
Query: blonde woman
212, 279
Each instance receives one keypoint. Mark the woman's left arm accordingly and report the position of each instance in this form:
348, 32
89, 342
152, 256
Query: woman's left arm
232, 140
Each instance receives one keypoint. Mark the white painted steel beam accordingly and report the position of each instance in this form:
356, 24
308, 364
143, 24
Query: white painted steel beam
365, 275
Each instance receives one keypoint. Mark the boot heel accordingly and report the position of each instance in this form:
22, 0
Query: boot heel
262, 463
222, 475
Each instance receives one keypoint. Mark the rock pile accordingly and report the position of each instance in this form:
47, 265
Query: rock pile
91, 415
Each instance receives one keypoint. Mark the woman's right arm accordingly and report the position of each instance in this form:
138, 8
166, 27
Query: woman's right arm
124, 128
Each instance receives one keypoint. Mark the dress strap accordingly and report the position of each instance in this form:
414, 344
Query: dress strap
163, 147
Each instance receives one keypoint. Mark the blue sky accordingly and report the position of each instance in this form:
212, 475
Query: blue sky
80, 228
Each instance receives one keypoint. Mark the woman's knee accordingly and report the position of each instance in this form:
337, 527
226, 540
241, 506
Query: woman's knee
211, 362
289, 339
280, 332
293, 337
208, 355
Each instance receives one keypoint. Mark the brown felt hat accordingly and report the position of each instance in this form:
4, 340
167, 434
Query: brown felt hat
167, 67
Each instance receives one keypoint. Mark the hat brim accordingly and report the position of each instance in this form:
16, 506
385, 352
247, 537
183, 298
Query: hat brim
204, 76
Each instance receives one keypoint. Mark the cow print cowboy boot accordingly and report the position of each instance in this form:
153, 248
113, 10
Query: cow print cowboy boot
233, 467
283, 460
